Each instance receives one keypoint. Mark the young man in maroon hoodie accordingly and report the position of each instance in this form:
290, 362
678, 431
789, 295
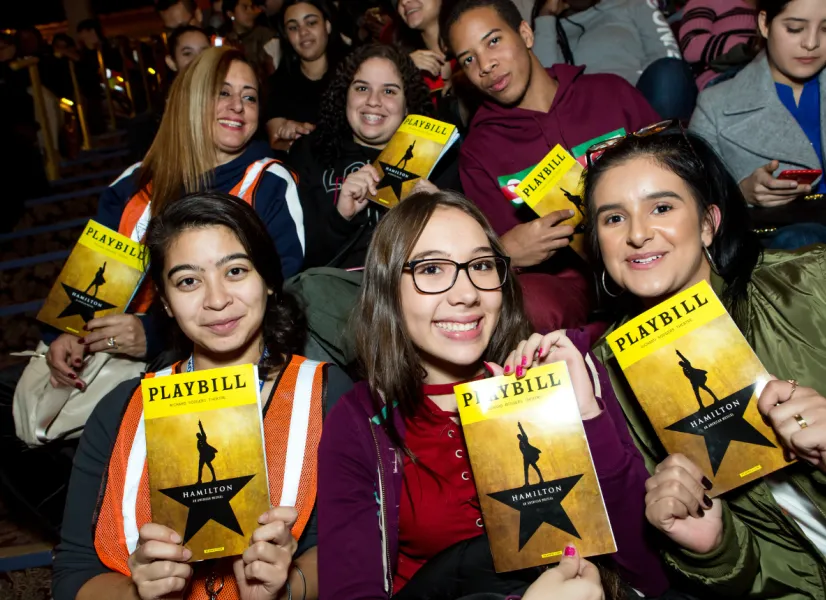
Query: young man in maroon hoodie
528, 111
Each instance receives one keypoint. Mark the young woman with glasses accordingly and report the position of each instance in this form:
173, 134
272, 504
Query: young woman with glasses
440, 306
665, 214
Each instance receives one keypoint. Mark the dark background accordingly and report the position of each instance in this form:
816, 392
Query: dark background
17, 13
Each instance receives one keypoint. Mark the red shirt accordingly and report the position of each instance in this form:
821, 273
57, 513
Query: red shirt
439, 506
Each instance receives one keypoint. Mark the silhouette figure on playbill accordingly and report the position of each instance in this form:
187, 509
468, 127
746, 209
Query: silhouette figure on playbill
530, 455
97, 281
206, 453
408, 154
697, 377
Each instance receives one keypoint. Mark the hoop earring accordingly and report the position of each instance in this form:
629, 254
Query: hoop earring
605, 287
710, 260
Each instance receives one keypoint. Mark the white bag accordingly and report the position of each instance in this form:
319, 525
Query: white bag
43, 413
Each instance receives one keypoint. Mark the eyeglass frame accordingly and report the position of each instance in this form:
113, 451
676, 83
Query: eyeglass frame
409, 266
646, 131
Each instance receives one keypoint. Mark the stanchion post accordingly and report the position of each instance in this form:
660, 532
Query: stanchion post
127, 82
86, 144
107, 91
144, 78
51, 157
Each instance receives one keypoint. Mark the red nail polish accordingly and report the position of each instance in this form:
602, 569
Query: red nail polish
524, 361
569, 551
507, 370
71, 375
520, 371
488, 368
79, 386
83, 340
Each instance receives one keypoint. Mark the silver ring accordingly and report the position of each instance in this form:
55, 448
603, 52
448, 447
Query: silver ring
112, 343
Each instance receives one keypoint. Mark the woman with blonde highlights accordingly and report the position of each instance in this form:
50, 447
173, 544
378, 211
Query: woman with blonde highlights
204, 143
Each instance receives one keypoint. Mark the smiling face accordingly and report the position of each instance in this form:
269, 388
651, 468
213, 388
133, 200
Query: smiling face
650, 233
236, 112
307, 31
419, 14
451, 330
190, 45
375, 103
796, 40
495, 58
215, 294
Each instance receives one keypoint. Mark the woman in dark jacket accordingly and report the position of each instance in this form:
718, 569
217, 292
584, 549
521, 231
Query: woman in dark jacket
370, 95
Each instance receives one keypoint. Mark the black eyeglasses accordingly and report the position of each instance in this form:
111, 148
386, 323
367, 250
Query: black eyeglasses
437, 275
594, 152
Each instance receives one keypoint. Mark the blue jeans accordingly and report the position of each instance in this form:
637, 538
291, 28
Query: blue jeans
669, 86
796, 236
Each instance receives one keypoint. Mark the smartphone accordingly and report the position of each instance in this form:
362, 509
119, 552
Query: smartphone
801, 176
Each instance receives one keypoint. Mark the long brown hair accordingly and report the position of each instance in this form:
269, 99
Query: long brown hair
182, 158
390, 361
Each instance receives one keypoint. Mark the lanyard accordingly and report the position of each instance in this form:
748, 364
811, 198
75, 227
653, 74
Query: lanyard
190, 367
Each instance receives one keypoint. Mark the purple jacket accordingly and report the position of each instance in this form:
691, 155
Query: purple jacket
360, 482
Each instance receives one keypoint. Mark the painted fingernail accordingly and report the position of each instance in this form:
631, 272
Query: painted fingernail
707, 501
508, 370
79, 386
520, 371
71, 375
524, 361
83, 340
701, 513
707, 483
78, 362
488, 368
569, 550
176, 539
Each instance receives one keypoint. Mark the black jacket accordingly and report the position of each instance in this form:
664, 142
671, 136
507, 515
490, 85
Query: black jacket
330, 239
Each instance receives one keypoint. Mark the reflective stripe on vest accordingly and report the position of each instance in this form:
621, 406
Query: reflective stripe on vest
138, 211
292, 422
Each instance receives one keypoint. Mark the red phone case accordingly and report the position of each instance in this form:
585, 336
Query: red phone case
801, 176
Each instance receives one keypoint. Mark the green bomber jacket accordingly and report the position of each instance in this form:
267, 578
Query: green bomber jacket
764, 553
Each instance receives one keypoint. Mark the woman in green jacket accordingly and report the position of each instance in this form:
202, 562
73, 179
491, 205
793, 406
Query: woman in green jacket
664, 215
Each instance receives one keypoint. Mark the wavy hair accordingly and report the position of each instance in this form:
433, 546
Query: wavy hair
182, 158
735, 248
387, 355
333, 128
284, 325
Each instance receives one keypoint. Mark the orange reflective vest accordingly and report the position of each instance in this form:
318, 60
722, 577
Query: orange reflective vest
292, 430
135, 219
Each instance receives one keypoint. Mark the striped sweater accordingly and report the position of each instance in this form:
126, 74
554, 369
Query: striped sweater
710, 28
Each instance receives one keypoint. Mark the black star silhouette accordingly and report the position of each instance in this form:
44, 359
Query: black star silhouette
540, 503
718, 433
205, 505
393, 178
82, 304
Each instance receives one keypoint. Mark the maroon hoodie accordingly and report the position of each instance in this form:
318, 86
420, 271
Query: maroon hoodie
506, 141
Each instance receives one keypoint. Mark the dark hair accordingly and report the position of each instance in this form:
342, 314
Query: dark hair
92, 24
335, 49
178, 33
228, 6
735, 249
162, 5
452, 11
333, 128
772, 8
388, 357
65, 38
284, 324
